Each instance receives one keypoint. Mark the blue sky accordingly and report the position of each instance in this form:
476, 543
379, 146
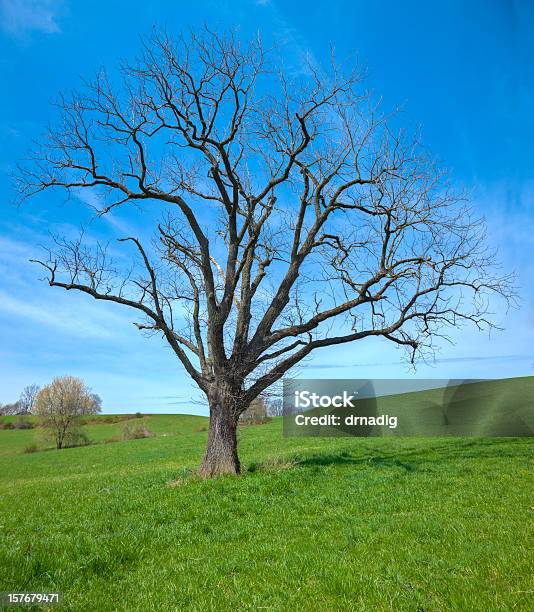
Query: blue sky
462, 71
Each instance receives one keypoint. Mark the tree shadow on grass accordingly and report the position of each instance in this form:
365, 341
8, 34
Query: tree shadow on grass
413, 458
347, 459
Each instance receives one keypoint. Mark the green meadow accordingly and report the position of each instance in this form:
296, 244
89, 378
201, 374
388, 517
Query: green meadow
312, 524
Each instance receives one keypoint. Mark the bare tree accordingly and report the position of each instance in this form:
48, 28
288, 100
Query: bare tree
61, 405
275, 407
10, 409
27, 398
97, 402
293, 218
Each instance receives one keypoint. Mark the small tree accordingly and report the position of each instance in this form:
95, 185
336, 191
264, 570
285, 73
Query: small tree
275, 408
61, 404
27, 398
256, 413
97, 401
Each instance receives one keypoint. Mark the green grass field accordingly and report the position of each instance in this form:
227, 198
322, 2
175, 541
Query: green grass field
313, 523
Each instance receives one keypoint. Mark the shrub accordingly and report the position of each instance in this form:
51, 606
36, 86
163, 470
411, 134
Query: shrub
138, 415
135, 432
22, 424
75, 437
104, 419
31, 448
255, 414
7, 425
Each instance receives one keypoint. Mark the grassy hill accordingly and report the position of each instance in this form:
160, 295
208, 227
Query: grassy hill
486, 408
314, 523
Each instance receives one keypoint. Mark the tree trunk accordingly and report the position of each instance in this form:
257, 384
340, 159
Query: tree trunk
59, 439
221, 452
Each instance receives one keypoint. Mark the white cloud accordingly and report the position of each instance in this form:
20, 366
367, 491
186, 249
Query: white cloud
296, 48
73, 318
23, 16
14, 248
24, 297
94, 202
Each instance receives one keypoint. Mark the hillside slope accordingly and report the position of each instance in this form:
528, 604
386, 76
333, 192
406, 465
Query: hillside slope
313, 523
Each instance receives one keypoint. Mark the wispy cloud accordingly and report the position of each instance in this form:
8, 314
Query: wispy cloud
472, 359
80, 320
20, 17
93, 201
23, 298
292, 41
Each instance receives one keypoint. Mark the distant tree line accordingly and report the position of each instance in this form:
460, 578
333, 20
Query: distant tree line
24, 405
